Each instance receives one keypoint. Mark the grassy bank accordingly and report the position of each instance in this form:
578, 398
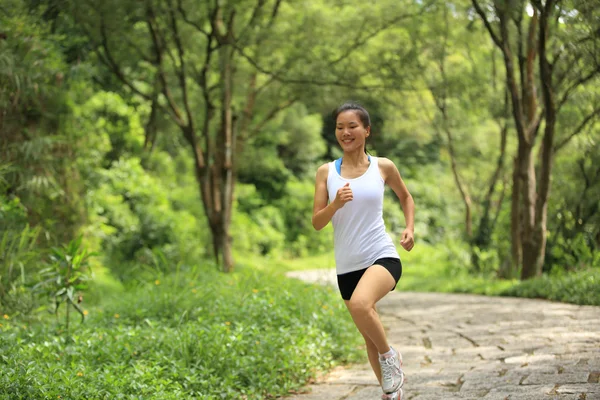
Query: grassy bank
195, 334
431, 269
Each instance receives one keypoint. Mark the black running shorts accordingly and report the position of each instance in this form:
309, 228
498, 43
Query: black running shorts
347, 282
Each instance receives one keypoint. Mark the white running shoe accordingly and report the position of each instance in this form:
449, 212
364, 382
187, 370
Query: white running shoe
397, 395
391, 372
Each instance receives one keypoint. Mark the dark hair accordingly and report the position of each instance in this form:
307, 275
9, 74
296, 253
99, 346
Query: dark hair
362, 112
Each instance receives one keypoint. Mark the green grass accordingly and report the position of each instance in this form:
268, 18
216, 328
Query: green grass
430, 269
581, 287
261, 263
196, 334
201, 334
439, 269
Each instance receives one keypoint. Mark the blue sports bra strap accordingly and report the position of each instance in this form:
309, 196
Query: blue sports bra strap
338, 164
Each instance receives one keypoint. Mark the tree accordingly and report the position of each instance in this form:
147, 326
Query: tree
453, 87
553, 26
451, 61
34, 150
181, 58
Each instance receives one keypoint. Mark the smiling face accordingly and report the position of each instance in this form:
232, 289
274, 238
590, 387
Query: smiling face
350, 131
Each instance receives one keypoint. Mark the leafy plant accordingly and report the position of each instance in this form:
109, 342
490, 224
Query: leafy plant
67, 277
196, 333
17, 252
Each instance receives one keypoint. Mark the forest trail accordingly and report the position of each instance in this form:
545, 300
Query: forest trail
476, 347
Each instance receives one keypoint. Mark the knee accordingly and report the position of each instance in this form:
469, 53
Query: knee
360, 306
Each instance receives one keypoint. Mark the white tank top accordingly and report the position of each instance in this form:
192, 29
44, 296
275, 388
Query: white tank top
360, 237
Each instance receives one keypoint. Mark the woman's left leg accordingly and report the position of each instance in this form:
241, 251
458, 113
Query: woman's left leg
375, 283
373, 355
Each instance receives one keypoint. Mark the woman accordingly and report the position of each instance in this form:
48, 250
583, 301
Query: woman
349, 192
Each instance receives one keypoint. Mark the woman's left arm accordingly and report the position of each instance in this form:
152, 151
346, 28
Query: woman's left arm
392, 178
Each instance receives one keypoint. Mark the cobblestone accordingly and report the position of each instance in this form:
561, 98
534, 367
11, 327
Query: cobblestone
476, 347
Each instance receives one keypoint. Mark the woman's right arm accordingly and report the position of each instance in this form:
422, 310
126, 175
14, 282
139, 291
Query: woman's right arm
322, 212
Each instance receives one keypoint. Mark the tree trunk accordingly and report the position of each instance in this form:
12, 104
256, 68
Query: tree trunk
530, 244
524, 105
535, 260
515, 221
226, 156
225, 147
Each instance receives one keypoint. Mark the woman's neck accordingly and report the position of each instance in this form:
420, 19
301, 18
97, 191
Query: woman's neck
355, 158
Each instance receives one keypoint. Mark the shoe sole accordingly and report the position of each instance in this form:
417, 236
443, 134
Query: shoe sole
398, 387
400, 394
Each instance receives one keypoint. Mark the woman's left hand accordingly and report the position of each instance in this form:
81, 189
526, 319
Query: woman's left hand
408, 240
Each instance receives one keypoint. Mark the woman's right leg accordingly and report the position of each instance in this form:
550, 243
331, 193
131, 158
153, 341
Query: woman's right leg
373, 355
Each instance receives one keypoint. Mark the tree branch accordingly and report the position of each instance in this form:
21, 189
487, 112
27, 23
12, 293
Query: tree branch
175, 113
181, 72
523, 129
522, 59
529, 90
487, 24
272, 115
358, 41
582, 80
162, 38
113, 65
577, 130
202, 80
568, 68
255, 12
188, 21
501, 156
279, 78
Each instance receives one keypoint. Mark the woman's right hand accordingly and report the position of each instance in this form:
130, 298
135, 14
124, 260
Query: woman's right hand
343, 195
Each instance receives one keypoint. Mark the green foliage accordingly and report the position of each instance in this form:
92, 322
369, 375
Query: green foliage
67, 277
284, 228
12, 213
107, 129
19, 264
290, 146
573, 254
256, 228
296, 207
439, 214
192, 334
574, 229
84, 153
134, 215
33, 103
442, 268
31, 69
581, 287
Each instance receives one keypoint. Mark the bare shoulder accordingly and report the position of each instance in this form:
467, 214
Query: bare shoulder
322, 172
386, 163
388, 170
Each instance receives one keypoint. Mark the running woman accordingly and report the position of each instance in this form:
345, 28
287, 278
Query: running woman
349, 193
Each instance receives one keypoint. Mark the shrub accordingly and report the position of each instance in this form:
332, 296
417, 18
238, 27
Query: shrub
133, 216
195, 333
19, 266
582, 287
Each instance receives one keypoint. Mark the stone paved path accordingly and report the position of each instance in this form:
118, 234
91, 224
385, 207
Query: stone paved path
476, 347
